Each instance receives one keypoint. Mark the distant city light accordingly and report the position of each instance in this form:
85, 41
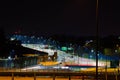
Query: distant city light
12, 39
92, 50
9, 57
116, 51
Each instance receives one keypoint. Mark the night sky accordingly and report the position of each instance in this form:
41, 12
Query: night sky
69, 17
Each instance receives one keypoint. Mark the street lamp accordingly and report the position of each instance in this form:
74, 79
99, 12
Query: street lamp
97, 39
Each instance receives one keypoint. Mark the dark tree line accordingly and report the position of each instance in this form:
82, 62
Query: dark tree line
7, 46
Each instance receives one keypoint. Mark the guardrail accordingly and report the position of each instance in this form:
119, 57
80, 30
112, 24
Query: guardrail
84, 75
34, 74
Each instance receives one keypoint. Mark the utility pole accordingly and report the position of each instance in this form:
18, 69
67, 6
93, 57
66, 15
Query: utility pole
97, 38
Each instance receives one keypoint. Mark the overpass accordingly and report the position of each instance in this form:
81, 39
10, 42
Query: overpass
65, 57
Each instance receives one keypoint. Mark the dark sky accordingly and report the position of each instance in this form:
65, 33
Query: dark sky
69, 17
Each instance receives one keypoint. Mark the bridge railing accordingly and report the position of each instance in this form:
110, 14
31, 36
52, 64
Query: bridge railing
70, 75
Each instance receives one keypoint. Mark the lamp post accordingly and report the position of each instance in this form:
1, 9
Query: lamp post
97, 38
